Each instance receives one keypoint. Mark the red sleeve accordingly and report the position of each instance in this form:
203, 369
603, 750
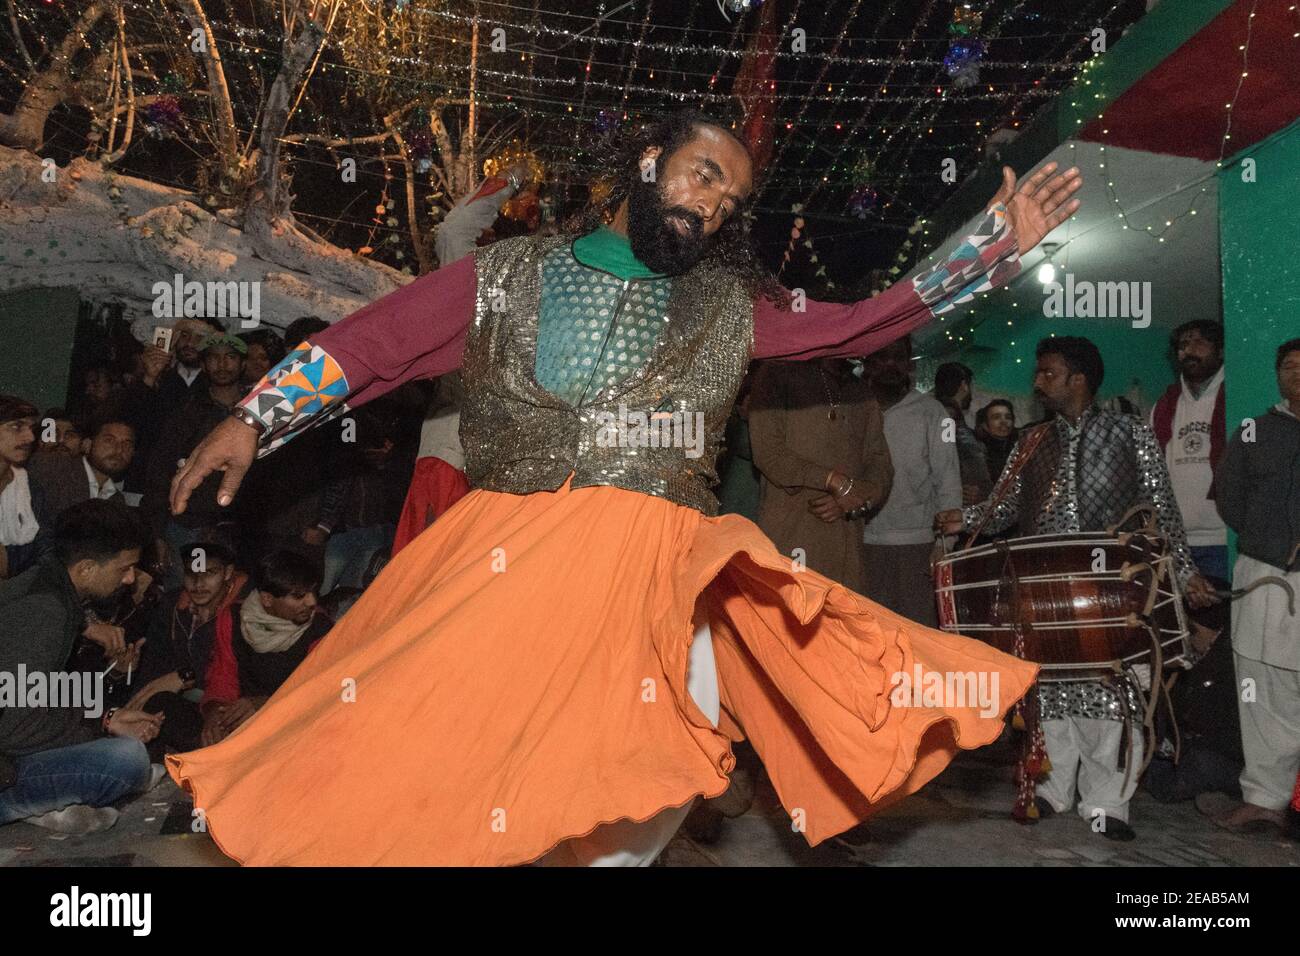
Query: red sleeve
987, 258
222, 679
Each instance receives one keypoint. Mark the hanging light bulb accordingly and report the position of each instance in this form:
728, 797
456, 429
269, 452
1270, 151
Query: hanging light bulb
1047, 273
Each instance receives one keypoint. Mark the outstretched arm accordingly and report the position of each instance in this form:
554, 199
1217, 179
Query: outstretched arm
416, 332
1015, 221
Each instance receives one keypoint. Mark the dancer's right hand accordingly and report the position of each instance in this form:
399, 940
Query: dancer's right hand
229, 448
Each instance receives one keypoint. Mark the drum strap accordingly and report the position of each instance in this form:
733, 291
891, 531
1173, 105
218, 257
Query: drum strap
1029, 442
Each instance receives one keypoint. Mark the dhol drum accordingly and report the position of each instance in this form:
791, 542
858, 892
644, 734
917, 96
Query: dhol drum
1083, 603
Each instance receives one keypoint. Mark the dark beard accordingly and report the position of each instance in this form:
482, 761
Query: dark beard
654, 238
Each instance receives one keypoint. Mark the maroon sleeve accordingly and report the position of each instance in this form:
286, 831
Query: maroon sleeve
416, 332
987, 258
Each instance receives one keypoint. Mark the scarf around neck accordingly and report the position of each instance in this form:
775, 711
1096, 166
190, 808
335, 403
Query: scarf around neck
264, 632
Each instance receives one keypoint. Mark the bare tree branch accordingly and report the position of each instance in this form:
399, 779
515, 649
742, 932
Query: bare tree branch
218, 92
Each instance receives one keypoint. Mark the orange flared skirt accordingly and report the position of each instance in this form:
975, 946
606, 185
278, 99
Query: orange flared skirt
516, 677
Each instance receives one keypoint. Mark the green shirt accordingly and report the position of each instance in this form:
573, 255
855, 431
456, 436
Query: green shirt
600, 314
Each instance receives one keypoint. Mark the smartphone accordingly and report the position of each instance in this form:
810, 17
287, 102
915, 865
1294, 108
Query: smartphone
162, 338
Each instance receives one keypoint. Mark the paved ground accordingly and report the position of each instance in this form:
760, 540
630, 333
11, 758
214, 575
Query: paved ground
959, 820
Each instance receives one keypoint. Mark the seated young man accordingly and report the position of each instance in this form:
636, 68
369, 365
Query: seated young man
178, 645
279, 624
64, 760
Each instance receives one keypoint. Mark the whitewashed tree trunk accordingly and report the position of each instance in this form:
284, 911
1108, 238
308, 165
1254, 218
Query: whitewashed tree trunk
113, 237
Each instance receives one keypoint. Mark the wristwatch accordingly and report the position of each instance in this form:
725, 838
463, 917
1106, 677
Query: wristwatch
859, 512
249, 419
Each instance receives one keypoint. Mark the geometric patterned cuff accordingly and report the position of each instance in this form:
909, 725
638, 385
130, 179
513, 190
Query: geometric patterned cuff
987, 258
298, 389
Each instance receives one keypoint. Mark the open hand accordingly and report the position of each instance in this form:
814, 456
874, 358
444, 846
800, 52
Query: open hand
230, 448
1040, 204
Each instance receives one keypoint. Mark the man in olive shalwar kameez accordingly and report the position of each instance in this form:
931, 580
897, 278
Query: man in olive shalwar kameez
819, 441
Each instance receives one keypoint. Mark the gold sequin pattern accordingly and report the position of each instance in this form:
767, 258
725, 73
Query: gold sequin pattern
520, 438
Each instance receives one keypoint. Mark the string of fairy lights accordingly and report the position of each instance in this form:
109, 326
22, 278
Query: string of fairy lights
1085, 113
540, 98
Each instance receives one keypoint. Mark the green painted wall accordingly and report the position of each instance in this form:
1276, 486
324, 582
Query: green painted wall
1003, 355
1259, 236
37, 328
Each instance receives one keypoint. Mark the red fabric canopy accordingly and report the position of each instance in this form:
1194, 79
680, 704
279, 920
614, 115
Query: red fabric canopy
1178, 107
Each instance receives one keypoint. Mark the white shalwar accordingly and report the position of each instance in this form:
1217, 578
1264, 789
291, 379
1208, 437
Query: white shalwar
626, 842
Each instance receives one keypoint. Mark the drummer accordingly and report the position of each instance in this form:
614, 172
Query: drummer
1089, 469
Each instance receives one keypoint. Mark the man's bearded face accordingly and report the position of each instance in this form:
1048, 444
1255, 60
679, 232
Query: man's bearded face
673, 220
668, 239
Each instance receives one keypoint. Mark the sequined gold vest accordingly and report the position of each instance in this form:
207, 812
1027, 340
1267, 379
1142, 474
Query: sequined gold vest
520, 438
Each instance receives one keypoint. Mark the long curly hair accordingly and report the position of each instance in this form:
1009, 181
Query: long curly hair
732, 249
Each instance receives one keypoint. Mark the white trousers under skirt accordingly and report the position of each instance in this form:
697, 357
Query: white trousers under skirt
624, 842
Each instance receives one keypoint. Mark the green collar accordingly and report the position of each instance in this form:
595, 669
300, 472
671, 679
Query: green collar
605, 249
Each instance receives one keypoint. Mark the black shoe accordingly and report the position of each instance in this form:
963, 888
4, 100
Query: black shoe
1118, 830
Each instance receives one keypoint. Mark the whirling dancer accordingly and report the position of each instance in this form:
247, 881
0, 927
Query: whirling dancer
558, 665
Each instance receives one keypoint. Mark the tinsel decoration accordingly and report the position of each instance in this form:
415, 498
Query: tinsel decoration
163, 117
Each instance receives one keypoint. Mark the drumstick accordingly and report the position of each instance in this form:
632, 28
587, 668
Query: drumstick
1270, 579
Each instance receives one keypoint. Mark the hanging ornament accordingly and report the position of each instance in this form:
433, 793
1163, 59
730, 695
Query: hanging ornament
607, 121
963, 54
419, 140
965, 21
419, 143
163, 117
512, 155
962, 62
862, 202
737, 6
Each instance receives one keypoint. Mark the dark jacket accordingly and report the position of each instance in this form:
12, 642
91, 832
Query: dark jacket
58, 482
40, 618
175, 642
181, 434
1257, 489
236, 670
